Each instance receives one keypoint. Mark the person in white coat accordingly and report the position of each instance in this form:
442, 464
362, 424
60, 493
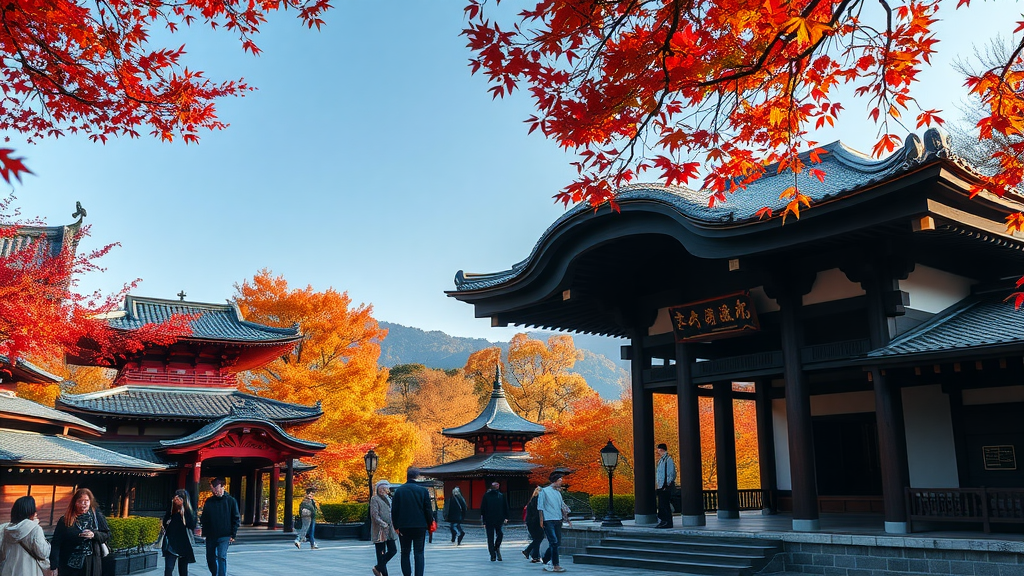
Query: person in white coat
24, 550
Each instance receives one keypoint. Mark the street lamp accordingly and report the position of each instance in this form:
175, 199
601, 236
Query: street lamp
370, 459
610, 459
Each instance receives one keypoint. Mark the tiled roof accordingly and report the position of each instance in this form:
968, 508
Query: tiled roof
33, 449
210, 430
56, 236
976, 321
497, 418
847, 171
479, 464
30, 370
184, 403
141, 450
10, 404
214, 322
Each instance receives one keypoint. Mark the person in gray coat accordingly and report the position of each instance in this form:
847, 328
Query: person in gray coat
382, 530
664, 482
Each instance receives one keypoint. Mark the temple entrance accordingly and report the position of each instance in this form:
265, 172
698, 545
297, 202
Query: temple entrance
846, 453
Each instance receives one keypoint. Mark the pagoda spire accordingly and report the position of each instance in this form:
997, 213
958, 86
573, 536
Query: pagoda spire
499, 392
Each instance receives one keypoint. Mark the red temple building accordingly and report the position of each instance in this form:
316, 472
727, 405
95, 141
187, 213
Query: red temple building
499, 437
179, 406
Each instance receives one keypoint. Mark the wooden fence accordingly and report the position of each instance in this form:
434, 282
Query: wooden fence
982, 505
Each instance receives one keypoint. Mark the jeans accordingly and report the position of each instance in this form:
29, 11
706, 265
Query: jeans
494, 538
553, 530
386, 550
411, 538
217, 555
169, 565
456, 528
304, 532
536, 537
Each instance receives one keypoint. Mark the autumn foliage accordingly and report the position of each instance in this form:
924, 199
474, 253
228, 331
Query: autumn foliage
723, 88
334, 364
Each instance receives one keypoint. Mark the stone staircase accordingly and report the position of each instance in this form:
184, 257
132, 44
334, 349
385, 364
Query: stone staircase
682, 554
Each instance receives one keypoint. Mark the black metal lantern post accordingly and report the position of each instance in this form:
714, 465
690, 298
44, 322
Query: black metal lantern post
370, 459
610, 459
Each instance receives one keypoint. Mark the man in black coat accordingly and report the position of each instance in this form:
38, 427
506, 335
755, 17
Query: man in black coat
220, 526
411, 515
494, 512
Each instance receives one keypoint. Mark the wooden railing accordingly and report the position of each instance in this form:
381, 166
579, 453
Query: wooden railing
748, 499
983, 505
186, 379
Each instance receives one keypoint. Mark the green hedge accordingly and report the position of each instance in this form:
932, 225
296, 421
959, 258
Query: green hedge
623, 504
344, 512
133, 532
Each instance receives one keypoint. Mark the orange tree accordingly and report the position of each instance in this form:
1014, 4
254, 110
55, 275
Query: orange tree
335, 364
441, 399
725, 87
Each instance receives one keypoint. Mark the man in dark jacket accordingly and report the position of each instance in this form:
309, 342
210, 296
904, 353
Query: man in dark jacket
411, 515
494, 513
220, 526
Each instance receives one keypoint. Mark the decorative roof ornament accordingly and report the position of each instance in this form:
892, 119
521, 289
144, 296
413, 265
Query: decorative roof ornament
499, 392
936, 144
181, 296
79, 213
247, 408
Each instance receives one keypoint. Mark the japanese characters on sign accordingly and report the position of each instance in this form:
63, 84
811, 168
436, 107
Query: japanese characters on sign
719, 317
999, 457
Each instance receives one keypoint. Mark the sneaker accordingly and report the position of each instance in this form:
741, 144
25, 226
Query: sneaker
297, 545
535, 560
547, 567
314, 547
375, 571
558, 569
526, 554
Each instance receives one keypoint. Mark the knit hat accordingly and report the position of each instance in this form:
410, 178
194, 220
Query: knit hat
376, 487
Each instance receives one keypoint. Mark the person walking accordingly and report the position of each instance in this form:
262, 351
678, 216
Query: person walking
382, 530
179, 522
454, 513
76, 547
24, 550
532, 551
308, 509
550, 507
494, 513
664, 482
220, 526
410, 511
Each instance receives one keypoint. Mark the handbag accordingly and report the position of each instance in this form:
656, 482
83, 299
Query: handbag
160, 539
104, 550
433, 526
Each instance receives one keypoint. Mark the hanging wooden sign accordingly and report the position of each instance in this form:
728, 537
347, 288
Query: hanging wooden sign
721, 317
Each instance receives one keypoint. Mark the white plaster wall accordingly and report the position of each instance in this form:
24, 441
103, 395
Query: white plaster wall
781, 437
999, 395
933, 290
762, 303
832, 285
662, 324
930, 452
843, 403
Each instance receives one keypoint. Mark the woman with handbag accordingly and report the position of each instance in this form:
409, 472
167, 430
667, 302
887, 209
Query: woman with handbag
382, 530
80, 539
307, 514
24, 550
454, 512
179, 522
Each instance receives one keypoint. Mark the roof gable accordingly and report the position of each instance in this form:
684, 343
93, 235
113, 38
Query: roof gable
221, 322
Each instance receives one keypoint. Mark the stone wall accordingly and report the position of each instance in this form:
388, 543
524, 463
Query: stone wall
866, 560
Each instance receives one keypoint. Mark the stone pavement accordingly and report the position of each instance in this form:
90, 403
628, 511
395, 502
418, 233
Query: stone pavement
345, 557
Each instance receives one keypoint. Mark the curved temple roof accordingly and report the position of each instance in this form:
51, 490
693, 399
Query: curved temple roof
31, 449
20, 408
847, 172
184, 403
497, 418
484, 464
211, 430
220, 322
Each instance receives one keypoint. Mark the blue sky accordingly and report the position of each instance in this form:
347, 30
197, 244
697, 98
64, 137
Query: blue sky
368, 160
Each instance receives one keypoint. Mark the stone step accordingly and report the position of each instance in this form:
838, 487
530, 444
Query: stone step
674, 555
665, 565
751, 549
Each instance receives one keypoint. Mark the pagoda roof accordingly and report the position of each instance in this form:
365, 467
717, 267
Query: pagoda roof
17, 408
183, 403
977, 323
25, 371
242, 417
847, 173
57, 238
493, 463
32, 449
213, 322
142, 450
497, 418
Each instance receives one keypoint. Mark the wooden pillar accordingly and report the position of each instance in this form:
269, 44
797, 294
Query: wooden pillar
798, 415
892, 449
275, 474
236, 487
182, 479
258, 501
194, 484
725, 451
645, 506
251, 507
691, 482
289, 491
956, 415
126, 499
766, 447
